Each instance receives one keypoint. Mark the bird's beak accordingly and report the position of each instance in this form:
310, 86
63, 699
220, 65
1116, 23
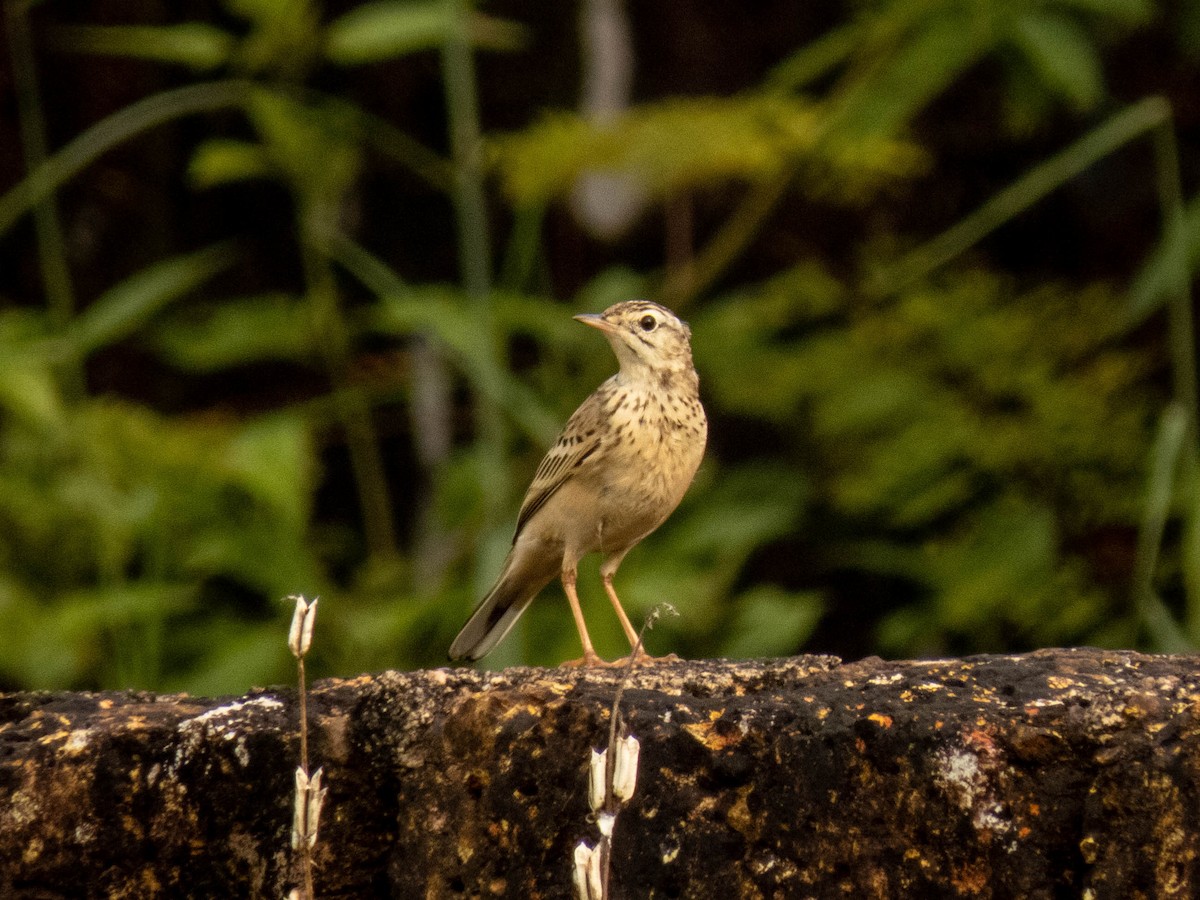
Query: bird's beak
596, 321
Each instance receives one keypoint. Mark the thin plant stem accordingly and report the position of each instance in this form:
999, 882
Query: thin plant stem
466, 141
52, 256
1181, 329
1160, 486
615, 727
1179, 301
306, 862
303, 693
474, 249
475, 267
1132, 122
683, 285
516, 271
429, 406
52, 250
353, 410
93, 143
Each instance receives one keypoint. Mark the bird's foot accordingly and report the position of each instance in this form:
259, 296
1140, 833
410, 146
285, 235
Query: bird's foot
590, 658
642, 658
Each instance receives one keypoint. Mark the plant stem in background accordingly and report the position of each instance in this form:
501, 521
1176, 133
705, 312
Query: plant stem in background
1153, 619
91, 144
679, 231
52, 253
429, 410
682, 285
352, 408
521, 254
474, 255
1179, 297
1132, 122
1181, 330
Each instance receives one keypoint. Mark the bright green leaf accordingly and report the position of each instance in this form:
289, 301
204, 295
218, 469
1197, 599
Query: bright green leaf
224, 160
127, 306
198, 46
237, 332
769, 622
1176, 254
385, 29
1063, 55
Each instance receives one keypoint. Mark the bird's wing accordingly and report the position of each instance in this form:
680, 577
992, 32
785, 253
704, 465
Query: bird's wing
579, 441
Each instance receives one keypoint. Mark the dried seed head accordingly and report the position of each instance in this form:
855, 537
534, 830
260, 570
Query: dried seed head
659, 611
625, 767
300, 634
598, 779
306, 814
300, 808
316, 798
586, 875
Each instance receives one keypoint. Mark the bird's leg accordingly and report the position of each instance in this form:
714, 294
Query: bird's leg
626, 625
589, 658
606, 573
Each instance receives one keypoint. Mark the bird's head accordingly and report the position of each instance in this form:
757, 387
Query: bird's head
647, 338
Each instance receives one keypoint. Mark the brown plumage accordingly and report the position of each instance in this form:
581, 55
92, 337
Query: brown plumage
619, 468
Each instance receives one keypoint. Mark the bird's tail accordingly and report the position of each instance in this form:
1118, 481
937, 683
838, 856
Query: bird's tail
498, 612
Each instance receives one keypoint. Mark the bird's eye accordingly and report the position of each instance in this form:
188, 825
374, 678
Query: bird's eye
648, 323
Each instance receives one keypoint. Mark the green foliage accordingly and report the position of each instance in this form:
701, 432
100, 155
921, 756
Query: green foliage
964, 450
116, 523
905, 54
950, 432
678, 145
385, 29
196, 45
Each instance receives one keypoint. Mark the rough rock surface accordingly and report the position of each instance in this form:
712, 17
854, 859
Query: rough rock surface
1062, 773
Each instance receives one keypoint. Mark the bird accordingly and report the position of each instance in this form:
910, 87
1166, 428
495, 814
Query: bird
623, 462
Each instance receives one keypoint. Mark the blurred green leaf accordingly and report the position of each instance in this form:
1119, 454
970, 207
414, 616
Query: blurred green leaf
748, 506
28, 385
223, 160
198, 46
129, 305
904, 76
1179, 251
284, 35
770, 622
272, 457
1008, 556
236, 332
1163, 468
29, 390
74, 639
676, 145
1064, 56
447, 315
232, 653
385, 29
815, 59
314, 147
1164, 630
1130, 12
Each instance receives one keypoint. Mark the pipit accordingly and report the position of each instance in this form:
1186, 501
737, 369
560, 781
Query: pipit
619, 468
